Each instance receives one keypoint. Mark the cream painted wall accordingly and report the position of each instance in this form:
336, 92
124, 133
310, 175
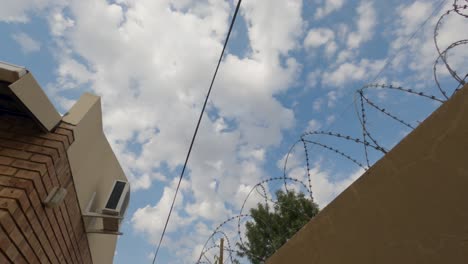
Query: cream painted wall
94, 168
410, 207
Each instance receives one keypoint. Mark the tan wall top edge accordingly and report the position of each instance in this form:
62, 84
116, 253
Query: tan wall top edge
82, 107
28, 91
11, 73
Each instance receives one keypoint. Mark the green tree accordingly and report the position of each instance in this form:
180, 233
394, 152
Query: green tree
270, 229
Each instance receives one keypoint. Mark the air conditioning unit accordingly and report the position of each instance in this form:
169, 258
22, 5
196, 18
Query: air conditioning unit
116, 205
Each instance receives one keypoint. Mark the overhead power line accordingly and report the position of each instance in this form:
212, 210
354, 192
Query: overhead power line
196, 130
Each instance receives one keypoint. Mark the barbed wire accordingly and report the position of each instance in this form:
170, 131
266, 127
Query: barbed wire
368, 141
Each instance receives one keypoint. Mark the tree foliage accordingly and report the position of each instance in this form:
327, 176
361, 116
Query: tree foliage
272, 227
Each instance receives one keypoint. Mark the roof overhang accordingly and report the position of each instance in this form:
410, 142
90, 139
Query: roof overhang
26, 93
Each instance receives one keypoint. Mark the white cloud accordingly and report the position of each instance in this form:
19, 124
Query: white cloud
419, 54
349, 71
313, 125
328, 7
366, 23
59, 23
332, 97
413, 15
17, 11
331, 119
153, 77
313, 78
324, 189
318, 36
317, 104
144, 181
26, 43
151, 219
270, 36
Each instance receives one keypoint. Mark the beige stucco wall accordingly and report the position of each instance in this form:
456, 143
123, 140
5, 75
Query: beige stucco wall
410, 207
94, 168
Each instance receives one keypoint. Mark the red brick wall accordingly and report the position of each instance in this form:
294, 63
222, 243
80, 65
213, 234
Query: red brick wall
31, 164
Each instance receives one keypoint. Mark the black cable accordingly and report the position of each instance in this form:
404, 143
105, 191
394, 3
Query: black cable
196, 128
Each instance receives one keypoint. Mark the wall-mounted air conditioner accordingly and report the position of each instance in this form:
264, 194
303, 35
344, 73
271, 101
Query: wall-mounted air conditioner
116, 205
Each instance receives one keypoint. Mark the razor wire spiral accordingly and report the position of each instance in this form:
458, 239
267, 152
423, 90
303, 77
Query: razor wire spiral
366, 140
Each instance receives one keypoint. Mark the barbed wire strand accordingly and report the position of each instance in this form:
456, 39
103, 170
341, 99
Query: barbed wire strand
362, 118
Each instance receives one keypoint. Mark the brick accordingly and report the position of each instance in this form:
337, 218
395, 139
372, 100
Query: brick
19, 154
52, 152
8, 143
7, 246
43, 258
13, 253
4, 240
56, 145
28, 252
35, 200
47, 161
48, 233
28, 236
57, 137
67, 133
16, 236
62, 169
71, 232
36, 180
30, 138
30, 255
7, 170
41, 236
58, 234
37, 162
66, 126
20, 260
48, 186
16, 183
28, 165
6, 221
6, 160
8, 204
3, 258
17, 194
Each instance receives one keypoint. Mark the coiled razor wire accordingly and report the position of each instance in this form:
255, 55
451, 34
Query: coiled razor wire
368, 141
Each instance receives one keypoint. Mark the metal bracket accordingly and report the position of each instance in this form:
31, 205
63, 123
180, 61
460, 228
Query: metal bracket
98, 215
102, 231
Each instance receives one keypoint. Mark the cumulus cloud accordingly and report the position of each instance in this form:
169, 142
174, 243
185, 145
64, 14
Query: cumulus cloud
59, 23
328, 7
365, 23
153, 77
26, 43
313, 125
325, 189
350, 71
150, 219
318, 37
420, 53
321, 36
18, 11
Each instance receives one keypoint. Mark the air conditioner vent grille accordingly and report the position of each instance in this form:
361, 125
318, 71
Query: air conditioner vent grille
115, 195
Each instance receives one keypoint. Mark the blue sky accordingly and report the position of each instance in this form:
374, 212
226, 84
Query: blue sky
291, 66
